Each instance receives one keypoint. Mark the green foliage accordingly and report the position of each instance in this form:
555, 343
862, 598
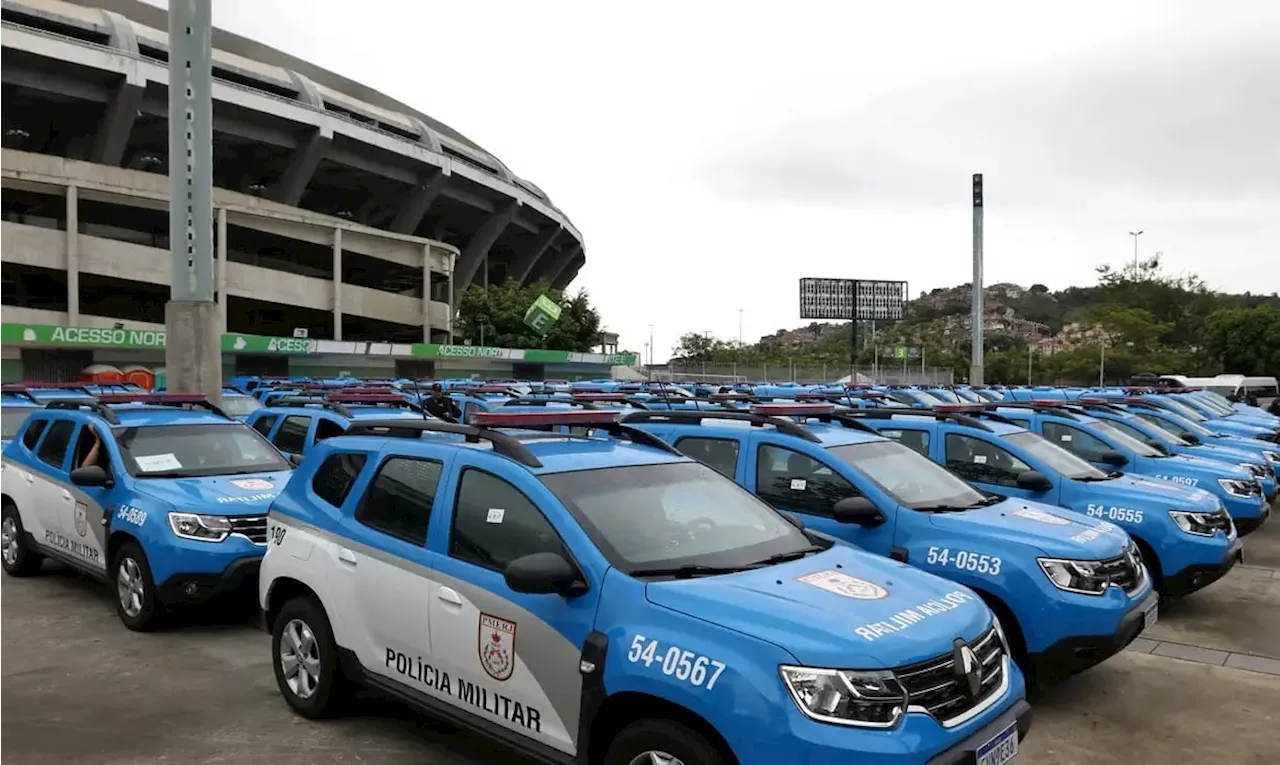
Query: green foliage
1245, 340
500, 310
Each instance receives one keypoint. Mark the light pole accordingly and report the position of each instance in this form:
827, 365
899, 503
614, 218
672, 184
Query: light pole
1135, 235
650, 345
739, 328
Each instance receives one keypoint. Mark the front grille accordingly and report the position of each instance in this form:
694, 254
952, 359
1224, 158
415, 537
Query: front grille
1124, 570
934, 686
254, 528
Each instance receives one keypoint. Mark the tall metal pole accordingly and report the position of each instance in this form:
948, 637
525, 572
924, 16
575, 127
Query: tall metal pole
193, 343
976, 358
1102, 365
1135, 235
650, 345
739, 327
853, 335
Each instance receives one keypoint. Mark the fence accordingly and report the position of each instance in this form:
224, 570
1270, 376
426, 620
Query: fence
887, 374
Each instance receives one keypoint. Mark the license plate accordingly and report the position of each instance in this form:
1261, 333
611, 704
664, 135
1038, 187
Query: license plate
1149, 618
1001, 749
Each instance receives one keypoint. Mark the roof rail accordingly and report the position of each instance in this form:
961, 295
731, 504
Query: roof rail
1096, 405
543, 401
93, 405
969, 419
696, 416
1052, 407
164, 399
304, 401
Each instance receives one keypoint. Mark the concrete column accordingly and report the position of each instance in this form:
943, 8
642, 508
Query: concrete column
221, 265
337, 284
73, 255
453, 299
426, 293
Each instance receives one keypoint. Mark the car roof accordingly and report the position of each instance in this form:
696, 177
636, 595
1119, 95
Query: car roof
996, 427
142, 415
828, 434
558, 453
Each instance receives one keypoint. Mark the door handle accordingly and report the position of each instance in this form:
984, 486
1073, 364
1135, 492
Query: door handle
346, 556
66, 494
29, 478
450, 596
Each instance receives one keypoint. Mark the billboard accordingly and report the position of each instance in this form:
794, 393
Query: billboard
833, 299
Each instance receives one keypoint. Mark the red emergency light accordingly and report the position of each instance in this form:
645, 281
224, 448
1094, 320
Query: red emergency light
29, 384
1135, 400
533, 419
597, 397
488, 389
729, 396
380, 390
152, 398
367, 398
792, 410
1047, 402
959, 407
1139, 389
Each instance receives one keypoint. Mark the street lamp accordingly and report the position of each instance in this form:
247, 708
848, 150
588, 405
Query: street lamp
1135, 235
739, 328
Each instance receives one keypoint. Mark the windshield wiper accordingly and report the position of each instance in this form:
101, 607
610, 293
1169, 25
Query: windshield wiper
170, 474
1095, 479
944, 508
788, 556
690, 571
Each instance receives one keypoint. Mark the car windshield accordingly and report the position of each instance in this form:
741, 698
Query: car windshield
1177, 425
1180, 408
240, 406
1057, 459
1126, 441
970, 396
12, 417
928, 397
674, 514
188, 451
1166, 437
1221, 392
909, 477
1213, 406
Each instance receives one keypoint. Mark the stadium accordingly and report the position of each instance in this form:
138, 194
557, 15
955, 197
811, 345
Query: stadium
341, 214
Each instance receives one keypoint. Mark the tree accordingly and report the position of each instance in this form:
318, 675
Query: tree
495, 317
1245, 340
695, 346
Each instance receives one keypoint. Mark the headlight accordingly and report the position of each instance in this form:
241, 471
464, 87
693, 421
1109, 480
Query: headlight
1239, 488
1079, 576
862, 699
1272, 456
1257, 471
202, 528
1194, 523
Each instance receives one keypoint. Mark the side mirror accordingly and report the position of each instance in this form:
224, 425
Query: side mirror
1154, 444
295, 459
1191, 438
1113, 458
857, 510
794, 521
544, 574
1034, 480
90, 475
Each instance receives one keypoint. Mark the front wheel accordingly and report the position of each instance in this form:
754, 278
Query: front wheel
16, 555
661, 742
135, 589
306, 660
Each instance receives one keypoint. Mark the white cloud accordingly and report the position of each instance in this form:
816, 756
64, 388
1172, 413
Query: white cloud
618, 112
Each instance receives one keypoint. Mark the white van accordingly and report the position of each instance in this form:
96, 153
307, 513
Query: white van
1235, 387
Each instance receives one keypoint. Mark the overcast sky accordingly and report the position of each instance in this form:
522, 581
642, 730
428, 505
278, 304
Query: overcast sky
713, 153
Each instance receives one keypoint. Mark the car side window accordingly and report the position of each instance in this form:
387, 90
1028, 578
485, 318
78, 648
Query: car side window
494, 523
719, 454
916, 440
84, 445
974, 459
53, 449
902, 398
263, 424
790, 480
1020, 422
399, 498
336, 475
292, 435
1075, 441
34, 429
328, 429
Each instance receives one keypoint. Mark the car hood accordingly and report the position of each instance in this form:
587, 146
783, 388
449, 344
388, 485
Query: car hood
1221, 452
1239, 428
1154, 492
1196, 467
1053, 532
842, 608
248, 494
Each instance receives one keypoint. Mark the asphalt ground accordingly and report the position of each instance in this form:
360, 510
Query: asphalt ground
75, 686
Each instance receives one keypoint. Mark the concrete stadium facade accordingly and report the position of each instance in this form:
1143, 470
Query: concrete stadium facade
338, 209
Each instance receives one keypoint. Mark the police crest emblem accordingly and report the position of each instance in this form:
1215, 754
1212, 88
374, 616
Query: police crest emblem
497, 646
82, 518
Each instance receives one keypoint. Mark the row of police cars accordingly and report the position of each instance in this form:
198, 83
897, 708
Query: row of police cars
629, 573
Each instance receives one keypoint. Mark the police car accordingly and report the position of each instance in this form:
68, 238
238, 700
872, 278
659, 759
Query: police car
295, 424
161, 495
1195, 433
1069, 590
16, 404
608, 600
1186, 538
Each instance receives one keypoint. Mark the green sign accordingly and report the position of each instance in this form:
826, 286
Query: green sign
95, 337
234, 343
542, 315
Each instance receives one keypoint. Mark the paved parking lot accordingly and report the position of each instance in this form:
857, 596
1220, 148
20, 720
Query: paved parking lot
78, 687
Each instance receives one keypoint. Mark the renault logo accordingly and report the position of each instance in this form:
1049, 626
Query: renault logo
967, 667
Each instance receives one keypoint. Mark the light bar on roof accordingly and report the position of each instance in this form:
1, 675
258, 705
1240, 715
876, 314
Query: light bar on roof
792, 410
598, 397
1048, 402
152, 398
366, 398
959, 407
487, 389
533, 419
729, 396
52, 385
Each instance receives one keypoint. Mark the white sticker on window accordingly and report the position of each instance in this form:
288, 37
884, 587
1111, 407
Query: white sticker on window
891, 433
496, 514
798, 484
1066, 436
980, 459
150, 463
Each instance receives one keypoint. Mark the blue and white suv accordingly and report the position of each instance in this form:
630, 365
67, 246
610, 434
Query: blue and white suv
608, 600
162, 495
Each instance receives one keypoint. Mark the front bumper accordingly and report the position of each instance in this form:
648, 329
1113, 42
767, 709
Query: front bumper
966, 751
1080, 652
241, 576
1193, 578
1246, 526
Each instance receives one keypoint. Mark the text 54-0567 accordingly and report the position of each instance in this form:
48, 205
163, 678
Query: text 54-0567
699, 671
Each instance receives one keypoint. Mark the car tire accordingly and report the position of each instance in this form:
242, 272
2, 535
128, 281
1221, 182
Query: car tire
19, 559
661, 737
134, 590
305, 660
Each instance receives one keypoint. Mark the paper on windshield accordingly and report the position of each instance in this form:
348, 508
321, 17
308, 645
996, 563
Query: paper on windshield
152, 463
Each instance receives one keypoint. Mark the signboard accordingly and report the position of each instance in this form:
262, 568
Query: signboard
834, 299
82, 337
542, 315
900, 352
299, 331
